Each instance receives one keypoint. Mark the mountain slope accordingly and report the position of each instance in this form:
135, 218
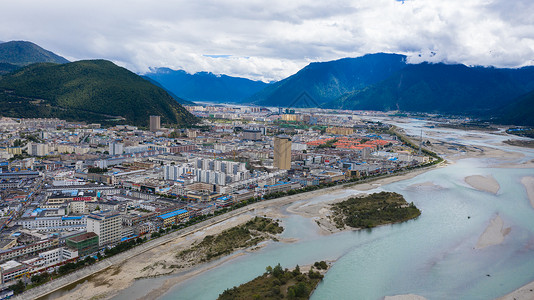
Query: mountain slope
92, 90
323, 82
205, 86
518, 112
178, 99
442, 88
7, 68
22, 53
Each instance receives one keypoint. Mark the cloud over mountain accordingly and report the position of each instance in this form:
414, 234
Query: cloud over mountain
272, 40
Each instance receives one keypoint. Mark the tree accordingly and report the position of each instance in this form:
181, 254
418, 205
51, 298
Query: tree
18, 287
278, 271
269, 269
296, 271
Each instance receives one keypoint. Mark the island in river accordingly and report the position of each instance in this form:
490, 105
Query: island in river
373, 210
279, 283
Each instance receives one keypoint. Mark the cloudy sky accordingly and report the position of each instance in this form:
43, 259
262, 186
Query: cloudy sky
270, 40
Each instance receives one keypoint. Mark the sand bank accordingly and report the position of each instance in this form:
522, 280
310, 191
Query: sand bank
405, 297
483, 183
426, 185
494, 234
528, 182
525, 292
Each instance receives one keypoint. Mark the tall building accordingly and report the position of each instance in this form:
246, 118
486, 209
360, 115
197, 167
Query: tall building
116, 148
282, 152
155, 123
37, 149
107, 225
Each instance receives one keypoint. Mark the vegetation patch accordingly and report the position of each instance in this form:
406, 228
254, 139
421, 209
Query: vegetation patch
373, 210
277, 283
247, 235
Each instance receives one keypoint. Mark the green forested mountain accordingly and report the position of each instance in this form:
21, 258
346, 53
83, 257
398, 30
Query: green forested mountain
319, 83
22, 53
518, 112
442, 88
92, 91
7, 68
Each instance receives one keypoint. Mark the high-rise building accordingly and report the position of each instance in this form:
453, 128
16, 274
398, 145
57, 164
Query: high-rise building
107, 225
116, 148
155, 123
37, 149
282, 152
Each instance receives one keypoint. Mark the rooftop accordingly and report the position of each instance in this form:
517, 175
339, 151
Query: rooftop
173, 213
82, 237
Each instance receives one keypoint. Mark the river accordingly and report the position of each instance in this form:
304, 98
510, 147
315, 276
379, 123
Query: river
433, 256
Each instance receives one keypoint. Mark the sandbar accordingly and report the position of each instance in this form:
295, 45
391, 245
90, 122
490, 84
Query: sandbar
483, 183
405, 297
528, 182
494, 233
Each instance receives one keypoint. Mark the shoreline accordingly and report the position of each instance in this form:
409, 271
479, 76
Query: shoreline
270, 208
122, 275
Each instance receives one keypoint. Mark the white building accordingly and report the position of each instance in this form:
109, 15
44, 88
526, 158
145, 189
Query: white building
58, 255
116, 148
37, 149
107, 225
59, 223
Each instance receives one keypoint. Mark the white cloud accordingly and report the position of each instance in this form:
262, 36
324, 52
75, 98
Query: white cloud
271, 40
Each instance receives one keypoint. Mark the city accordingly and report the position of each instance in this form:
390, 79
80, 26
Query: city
71, 190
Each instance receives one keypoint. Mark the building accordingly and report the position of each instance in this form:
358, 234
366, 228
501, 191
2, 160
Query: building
12, 270
58, 223
28, 250
174, 217
252, 134
86, 243
37, 149
58, 255
340, 130
107, 225
282, 152
155, 123
116, 148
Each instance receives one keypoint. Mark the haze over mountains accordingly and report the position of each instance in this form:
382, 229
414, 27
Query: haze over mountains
204, 86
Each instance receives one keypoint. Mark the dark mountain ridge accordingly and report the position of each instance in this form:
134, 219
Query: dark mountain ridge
23, 53
323, 82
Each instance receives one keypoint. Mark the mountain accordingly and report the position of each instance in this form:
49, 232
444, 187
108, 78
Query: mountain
91, 90
22, 53
442, 88
7, 68
519, 112
178, 99
323, 82
204, 86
